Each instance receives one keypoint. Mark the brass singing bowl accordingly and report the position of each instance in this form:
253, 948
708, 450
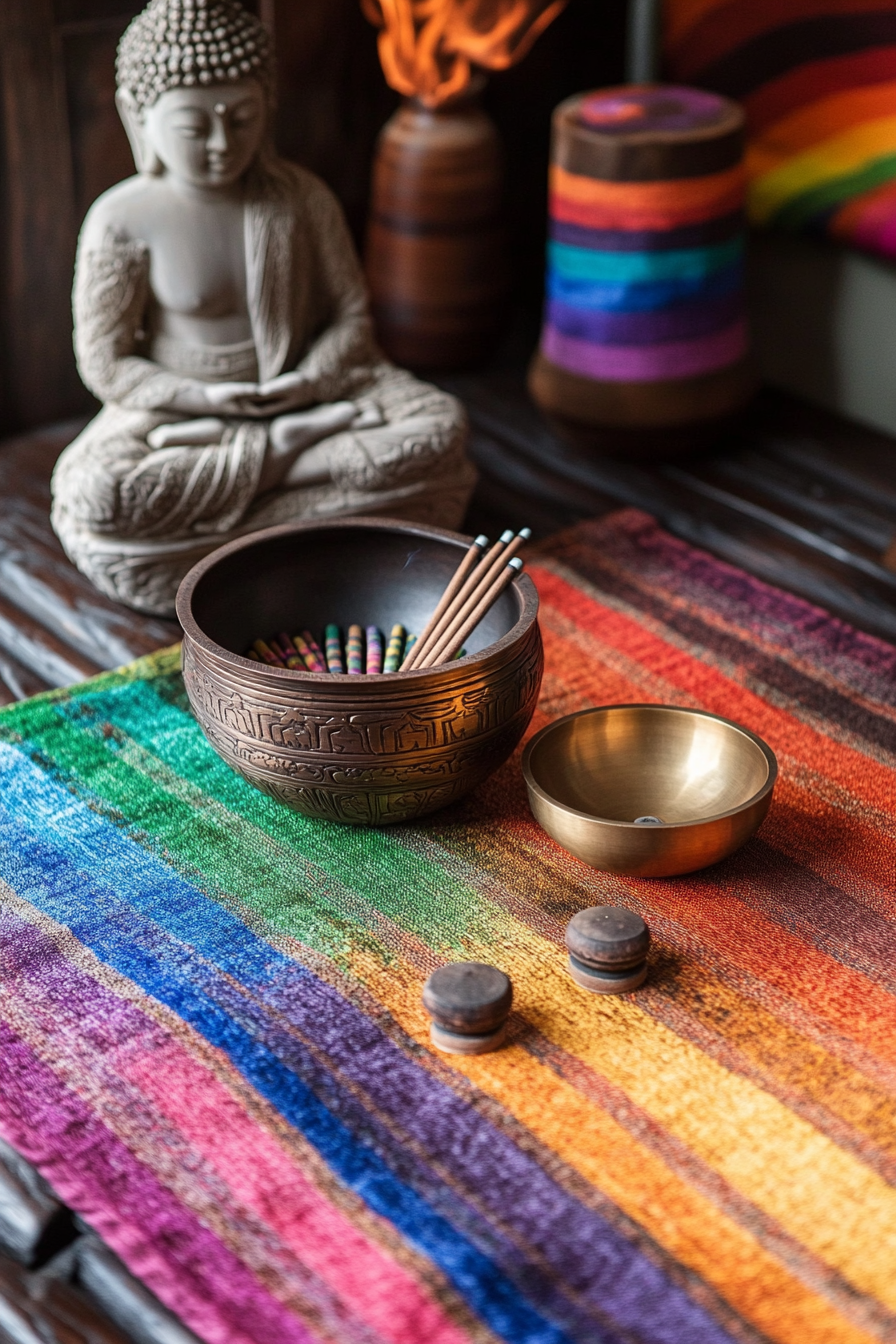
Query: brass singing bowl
649, 790
356, 749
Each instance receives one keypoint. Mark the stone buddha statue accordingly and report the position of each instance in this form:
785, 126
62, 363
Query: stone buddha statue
221, 317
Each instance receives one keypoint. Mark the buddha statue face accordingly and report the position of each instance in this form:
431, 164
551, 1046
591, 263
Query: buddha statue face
206, 136
194, 89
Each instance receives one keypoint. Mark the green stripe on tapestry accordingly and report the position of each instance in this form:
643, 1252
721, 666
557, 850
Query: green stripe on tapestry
214, 825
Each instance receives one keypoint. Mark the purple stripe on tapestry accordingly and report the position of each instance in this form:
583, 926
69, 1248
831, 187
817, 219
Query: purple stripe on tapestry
717, 230
576, 1242
679, 322
157, 1238
645, 363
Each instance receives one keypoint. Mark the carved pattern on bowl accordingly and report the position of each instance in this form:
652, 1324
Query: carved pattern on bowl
386, 755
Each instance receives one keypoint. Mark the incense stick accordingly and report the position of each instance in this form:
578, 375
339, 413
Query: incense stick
354, 651
333, 646
467, 587
472, 614
472, 555
394, 648
374, 662
478, 583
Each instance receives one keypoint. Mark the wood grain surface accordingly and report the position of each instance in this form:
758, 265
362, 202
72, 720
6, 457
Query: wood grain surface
792, 493
59, 1284
55, 627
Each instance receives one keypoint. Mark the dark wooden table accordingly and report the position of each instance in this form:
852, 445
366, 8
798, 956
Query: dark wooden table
794, 495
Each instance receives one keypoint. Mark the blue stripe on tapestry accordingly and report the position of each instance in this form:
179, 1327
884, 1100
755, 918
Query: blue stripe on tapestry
120, 934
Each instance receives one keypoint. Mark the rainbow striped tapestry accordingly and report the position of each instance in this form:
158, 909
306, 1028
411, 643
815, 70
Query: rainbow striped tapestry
818, 81
212, 1043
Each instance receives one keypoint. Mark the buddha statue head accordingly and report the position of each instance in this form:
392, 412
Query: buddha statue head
195, 88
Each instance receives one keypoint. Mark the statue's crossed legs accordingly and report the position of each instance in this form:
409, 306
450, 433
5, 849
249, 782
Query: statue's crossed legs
139, 498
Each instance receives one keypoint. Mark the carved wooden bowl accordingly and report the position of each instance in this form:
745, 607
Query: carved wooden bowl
357, 749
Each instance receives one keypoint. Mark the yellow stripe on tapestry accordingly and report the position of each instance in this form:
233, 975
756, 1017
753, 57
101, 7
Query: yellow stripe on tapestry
845, 1213
759, 1286
774, 180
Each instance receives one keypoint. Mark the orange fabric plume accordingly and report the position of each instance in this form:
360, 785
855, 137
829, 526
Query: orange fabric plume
427, 47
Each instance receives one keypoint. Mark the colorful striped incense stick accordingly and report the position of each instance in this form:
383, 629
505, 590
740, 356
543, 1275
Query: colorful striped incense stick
354, 650
394, 650
267, 654
374, 664
333, 646
311, 660
316, 650
290, 653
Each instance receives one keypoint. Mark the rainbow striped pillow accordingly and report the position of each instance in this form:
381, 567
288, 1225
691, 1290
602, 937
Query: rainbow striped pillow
818, 81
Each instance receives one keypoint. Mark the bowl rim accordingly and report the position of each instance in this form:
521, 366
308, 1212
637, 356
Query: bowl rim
523, 586
535, 787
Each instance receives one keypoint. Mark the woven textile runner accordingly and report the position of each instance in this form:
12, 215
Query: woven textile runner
212, 1042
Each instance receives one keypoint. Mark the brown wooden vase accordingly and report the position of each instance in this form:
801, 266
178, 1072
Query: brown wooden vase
436, 255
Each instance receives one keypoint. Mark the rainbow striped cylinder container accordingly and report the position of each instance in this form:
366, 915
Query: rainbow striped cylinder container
645, 343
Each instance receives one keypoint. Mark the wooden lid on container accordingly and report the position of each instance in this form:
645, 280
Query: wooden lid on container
647, 133
608, 937
468, 997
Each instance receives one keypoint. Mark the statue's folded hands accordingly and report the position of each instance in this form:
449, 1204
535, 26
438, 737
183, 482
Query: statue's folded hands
221, 316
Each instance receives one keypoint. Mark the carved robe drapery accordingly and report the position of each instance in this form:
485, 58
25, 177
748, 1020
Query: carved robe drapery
133, 518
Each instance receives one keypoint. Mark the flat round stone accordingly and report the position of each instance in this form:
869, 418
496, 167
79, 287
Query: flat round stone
606, 982
608, 937
469, 998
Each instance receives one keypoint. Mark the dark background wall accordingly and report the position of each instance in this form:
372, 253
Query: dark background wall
61, 144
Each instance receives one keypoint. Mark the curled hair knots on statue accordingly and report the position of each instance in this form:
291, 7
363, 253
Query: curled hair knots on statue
179, 43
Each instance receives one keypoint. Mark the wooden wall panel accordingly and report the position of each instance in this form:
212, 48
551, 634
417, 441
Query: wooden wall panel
100, 153
61, 144
38, 210
332, 95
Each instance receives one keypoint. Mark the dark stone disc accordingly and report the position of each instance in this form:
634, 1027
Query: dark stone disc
608, 937
469, 997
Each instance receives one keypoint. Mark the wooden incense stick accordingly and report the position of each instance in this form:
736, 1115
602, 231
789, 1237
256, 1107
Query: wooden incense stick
475, 584
472, 592
453, 641
468, 586
471, 556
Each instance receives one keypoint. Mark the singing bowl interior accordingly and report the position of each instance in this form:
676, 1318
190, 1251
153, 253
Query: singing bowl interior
371, 575
707, 782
